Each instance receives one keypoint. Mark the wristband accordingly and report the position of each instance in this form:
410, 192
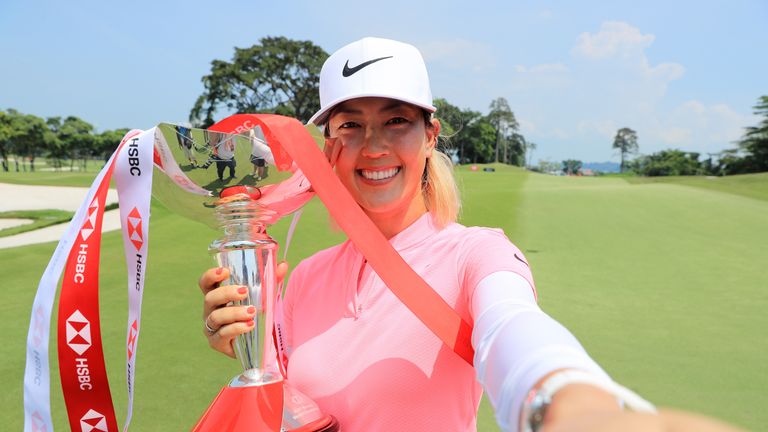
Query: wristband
539, 399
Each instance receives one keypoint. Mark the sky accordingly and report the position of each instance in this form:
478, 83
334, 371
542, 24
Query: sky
683, 74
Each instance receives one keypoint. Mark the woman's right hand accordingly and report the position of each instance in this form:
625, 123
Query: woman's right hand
225, 322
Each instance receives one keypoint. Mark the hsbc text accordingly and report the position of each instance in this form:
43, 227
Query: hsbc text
138, 272
82, 256
133, 157
83, 374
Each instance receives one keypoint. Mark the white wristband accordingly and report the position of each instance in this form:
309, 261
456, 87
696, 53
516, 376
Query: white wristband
535, 405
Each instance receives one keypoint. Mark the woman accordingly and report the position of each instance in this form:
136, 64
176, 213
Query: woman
354, 348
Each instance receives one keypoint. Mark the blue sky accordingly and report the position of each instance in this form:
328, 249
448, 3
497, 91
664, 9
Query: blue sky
683, 74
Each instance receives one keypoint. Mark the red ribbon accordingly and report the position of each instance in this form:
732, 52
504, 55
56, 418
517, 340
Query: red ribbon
287, 139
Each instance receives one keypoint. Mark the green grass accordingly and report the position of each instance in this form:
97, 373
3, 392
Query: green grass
663, 283
749, 185
40, 218
52, 178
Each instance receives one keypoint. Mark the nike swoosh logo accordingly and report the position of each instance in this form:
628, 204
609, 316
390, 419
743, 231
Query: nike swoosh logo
349, 71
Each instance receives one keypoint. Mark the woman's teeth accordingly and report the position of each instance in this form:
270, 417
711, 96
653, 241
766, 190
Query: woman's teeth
379, 174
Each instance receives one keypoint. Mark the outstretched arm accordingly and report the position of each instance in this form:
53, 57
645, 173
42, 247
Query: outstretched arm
520, 352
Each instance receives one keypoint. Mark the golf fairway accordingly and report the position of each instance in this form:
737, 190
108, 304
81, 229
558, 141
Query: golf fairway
663, 283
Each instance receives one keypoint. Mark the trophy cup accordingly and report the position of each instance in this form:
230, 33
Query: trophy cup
232, 182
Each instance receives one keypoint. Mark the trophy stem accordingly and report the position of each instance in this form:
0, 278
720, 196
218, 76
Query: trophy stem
249, 254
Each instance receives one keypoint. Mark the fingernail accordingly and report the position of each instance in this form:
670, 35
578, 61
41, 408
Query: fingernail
219, 270
251, 309
242, 290
251, 323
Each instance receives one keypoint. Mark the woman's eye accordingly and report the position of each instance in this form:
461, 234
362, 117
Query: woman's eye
348, 125
397, 120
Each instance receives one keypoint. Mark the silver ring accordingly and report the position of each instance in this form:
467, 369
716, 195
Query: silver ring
208, 328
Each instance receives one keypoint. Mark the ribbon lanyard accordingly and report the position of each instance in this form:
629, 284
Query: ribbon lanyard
81, 357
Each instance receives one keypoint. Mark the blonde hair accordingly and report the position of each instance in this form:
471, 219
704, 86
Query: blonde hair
441, 195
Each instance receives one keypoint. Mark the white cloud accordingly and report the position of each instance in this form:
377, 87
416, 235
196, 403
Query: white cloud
696, 126
614, 38
675, 135
664, 71
459, 54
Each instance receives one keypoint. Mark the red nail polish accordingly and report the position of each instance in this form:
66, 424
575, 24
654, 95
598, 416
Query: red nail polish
242, 290
251, 323
219, 270
251, 309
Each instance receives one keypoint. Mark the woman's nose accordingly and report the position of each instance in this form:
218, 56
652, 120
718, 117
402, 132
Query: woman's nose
374, 144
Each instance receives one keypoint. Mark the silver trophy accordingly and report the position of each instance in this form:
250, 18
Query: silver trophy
231, 181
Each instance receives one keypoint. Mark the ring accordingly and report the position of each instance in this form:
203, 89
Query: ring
208, 328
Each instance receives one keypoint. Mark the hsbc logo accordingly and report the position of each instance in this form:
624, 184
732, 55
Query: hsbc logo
38, 329
135, 229
38, 424
93, 421
78, 332
132, 332
90, 222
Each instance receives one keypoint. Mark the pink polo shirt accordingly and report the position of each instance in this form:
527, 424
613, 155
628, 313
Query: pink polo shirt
358, 352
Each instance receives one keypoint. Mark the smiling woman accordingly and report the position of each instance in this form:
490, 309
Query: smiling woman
353, 346
380, 149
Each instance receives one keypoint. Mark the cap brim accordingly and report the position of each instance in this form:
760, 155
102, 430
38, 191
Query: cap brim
321, 117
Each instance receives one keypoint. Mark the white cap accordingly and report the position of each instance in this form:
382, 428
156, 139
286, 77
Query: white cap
373, 67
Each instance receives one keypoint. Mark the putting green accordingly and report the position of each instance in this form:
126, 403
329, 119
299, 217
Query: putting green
663, 284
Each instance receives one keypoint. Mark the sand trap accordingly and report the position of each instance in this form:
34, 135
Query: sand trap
10, 223
25, 197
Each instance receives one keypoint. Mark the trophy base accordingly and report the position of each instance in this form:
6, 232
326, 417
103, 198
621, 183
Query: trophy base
274, 406
325, 424
241, 409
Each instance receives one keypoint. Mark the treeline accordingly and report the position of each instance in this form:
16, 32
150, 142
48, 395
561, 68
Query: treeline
68, 141
277, 75
750, 155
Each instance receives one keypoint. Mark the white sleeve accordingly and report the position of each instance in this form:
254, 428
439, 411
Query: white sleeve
516, 344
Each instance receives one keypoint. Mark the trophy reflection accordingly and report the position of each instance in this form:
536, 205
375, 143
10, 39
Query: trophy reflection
232, 182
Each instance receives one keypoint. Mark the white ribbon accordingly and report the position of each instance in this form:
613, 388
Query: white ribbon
133, 172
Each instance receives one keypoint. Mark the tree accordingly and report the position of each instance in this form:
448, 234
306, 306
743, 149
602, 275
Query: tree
530, 147
669, 163
476, 139
626, 142
24, 139
107, 142
548, 167
6, 133
503, 120
278, 75
755, 140
451, 125
571, 166
77, 138
57, 151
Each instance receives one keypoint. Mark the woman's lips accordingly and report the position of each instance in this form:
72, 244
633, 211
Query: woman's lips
379, 174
